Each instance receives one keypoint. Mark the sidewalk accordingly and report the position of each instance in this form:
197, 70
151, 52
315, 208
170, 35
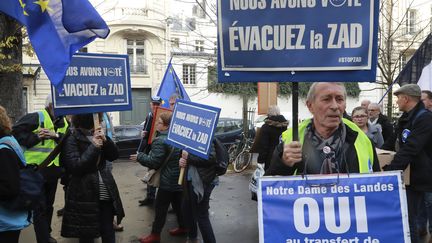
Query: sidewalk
232, 213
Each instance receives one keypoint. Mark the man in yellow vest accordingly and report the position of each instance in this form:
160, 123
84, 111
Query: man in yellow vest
38, 134
328, 143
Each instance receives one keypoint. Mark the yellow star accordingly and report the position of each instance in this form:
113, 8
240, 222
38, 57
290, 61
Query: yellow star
43, 4
22, 6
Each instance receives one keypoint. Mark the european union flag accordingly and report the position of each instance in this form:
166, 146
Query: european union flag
171, 84
57, 29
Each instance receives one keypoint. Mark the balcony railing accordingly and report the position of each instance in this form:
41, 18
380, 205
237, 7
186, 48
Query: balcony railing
139, 69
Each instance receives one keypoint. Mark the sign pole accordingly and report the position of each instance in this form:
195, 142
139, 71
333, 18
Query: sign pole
182, 170
295, 91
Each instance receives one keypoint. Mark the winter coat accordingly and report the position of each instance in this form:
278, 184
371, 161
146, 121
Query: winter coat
387, 127
374, 134
269, 135
81, 212
157, 156
416, 151
350, 163
206, 167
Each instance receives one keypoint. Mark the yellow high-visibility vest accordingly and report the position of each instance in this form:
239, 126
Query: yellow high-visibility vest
39, 152
362, 144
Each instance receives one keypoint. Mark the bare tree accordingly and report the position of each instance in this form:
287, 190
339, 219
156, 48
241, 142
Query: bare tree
11, 66
398, 37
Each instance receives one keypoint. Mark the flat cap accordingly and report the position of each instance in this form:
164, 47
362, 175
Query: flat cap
156, 99
410, 90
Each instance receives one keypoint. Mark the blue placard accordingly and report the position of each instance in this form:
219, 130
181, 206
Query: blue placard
310, 40
192, 127
94, 83
361, 208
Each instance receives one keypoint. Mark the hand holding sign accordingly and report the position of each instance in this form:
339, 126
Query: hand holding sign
292, 153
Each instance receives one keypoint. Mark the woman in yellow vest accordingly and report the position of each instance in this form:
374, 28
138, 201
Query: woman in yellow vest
328, 143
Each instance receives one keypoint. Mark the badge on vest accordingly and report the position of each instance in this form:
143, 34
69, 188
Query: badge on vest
405, 134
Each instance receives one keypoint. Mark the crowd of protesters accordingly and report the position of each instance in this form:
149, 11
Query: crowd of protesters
332, 142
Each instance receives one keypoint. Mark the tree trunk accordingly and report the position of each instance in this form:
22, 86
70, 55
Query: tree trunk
11, 81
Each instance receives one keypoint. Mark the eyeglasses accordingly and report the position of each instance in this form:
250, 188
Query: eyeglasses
359, 116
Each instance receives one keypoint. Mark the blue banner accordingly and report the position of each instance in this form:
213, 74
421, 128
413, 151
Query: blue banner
94, 83
361, 208
304, 40
192, 127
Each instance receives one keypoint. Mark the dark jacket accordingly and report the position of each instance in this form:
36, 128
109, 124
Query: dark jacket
9, 174
206, 167
157, 156
269, 135
81, 213
387, 127
416, 150
23, 129
349, 164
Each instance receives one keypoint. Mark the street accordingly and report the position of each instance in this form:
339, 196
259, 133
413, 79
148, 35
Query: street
233, 213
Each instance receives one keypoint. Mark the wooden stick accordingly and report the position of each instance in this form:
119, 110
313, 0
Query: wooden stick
96, 121
182, 170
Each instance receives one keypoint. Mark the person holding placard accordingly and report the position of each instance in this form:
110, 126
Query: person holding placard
92, 198
163, 157
328, 143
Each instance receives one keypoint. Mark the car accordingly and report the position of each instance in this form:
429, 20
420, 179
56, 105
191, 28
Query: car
128, 137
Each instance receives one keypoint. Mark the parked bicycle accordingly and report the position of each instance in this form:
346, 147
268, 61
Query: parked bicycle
240, 155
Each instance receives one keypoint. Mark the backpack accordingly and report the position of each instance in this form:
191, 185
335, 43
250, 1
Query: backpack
31, 182
222, 157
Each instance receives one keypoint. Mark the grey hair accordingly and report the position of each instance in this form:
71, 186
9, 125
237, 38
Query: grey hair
48, 100
312, 90
376, 105
273, 110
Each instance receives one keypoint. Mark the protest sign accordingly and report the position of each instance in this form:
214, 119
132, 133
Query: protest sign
159, 111
310, 40
361, 208
94, 83
192, 127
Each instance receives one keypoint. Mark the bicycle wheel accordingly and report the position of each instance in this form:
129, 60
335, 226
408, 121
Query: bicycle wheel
242, 161
232, 151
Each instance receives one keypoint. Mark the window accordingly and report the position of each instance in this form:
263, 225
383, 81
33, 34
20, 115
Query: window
175, 42
215, 48
199, 45
402, 62
189, 73
410, 21
135, 51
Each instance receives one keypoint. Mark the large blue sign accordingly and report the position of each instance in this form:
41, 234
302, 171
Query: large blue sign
302, 40
192, 127
361, 208
94, 83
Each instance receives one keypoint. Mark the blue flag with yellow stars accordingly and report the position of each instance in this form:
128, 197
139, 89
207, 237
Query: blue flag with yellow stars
170, 85
57, 29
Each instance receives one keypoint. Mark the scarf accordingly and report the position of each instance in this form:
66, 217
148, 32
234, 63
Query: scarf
330, 149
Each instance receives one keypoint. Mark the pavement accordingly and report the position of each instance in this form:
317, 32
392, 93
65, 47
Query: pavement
232, 213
